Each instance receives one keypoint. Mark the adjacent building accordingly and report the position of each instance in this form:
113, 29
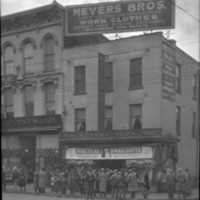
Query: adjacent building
87, 100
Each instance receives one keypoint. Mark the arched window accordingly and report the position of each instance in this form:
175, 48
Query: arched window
8, 60
49, 53
28, 58
8, 95
28, 101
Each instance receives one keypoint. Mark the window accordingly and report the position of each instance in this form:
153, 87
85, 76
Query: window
9, 102
108, 118
49, 54
136, 73
136, 117
195, 87
28, 101
178, 78
109, 77
178, 120
50, 98
80, 80
193, 124
8, 60
28, 58
80, 122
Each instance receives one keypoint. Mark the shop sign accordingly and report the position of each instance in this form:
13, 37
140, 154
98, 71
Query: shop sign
31, 122
109, 134
112, 17
106, 153
168, 72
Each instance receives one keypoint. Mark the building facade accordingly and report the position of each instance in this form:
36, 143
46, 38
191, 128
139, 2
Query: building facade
87, 100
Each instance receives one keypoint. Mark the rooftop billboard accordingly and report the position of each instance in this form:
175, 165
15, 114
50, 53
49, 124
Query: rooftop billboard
120, 16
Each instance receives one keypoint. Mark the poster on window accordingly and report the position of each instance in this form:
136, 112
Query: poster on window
104, 153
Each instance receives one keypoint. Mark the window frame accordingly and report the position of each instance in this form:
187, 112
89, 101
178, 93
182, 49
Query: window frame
194, 122
28, 58
7, 104
108, 77
49, 53
79, 81
107, 118
131, 106
178, 78
135, 73
47, 101
194, 88
77, 121
9, 61
28, 105
178, 120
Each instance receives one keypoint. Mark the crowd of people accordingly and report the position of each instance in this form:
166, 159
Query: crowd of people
90, 182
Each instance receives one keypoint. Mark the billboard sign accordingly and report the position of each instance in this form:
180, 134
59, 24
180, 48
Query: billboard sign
100, 153
121, 16
168, 72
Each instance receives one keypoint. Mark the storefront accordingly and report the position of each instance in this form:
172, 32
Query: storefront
147, 150
28, 142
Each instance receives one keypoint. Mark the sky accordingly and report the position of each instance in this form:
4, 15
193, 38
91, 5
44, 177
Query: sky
186, 32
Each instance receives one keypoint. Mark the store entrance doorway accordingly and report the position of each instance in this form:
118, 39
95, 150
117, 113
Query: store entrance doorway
111, 164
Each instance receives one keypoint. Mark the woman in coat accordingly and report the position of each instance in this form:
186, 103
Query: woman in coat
132, 183
103, 179
42, 180
36, 180
22, 180
180, 183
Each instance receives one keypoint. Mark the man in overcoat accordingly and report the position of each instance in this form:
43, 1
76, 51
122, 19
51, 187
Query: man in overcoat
132, 183
103, 179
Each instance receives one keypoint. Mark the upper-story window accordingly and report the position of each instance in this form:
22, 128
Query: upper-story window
108, 118
28, 101
195, 87
49, 53
8, 60
194, 127
50, 98
80, 119
109, 77
178, 120
28, 58
80, 82
178, 78
136, 116
136, 73
8, 102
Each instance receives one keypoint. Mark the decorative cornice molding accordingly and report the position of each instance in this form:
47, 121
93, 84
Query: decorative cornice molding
23, 84
49, 80
12, 86
31, 40
47, 36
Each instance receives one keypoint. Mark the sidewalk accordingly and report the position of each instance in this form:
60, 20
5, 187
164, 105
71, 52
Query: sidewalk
152, 195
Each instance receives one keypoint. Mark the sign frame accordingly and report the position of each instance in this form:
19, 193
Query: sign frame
69, 19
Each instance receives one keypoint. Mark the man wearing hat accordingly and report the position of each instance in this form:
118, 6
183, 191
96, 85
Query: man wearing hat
132, 182
90, 179
171, 181
180, 183
103, 179
114, 184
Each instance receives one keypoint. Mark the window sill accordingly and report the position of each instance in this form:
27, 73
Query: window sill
79, 93
49, 70
109, 91
136, 88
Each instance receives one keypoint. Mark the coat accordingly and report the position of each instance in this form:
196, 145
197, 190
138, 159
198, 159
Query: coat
42, 179
36, 179
132, 182
102, 182
180, 182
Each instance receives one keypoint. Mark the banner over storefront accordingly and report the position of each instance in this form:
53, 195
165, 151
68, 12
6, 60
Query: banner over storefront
112, 17
115, 153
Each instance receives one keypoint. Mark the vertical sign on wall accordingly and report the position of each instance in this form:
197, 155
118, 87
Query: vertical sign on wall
101, 92
168, 72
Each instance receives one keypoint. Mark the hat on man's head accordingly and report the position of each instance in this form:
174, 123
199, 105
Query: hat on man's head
90, 169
